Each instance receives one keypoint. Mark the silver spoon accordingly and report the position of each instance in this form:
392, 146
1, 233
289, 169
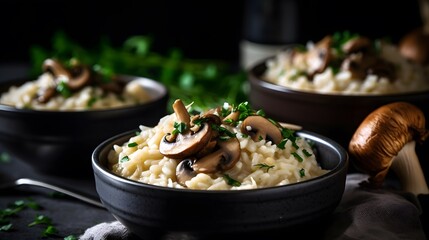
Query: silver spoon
32, 182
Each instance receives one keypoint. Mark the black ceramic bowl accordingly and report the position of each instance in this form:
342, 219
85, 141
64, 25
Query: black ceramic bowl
150, 211
61, 142
332, 115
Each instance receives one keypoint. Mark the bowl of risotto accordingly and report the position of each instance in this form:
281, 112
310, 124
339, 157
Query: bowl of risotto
330, 86
226, 171
53, 122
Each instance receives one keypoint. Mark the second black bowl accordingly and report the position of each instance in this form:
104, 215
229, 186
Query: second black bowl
61, 142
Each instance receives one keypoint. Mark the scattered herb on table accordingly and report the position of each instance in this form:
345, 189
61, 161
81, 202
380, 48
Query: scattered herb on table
4, 157
16, 207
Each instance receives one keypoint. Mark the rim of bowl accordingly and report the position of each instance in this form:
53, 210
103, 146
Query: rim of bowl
255, 72
341, 165
161, 92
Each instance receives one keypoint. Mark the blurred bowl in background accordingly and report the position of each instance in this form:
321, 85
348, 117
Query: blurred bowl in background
333, 115
151, 211
61, 142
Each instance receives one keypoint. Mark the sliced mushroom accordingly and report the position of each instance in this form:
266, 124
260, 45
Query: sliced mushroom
319, 57
185, 145
182, 113
222, 159
358, 44
55, 68
114, 83
232, 117
357, 64
80, 78
258, 127
184, 171
75, 79
415, 46
45, 94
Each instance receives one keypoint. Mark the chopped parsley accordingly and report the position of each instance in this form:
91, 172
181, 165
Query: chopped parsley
49, 231
91, 101
4, 157
199, 121
224, 133
306, 153
230, 181
40, 219
63, 89
302, 172
133, 144
264, 166
296, 155
19, 205
124, 159
179, 128
7, 227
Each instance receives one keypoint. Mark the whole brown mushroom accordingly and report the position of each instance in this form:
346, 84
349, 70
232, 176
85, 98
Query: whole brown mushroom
386, 140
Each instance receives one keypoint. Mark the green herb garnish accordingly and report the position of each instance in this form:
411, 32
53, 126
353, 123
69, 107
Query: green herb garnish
223, 132
124, 159
71, 237
133, 144
91, 102
63, 89
6, 227
230, 181
306, 153
296, 155
302, 172
179, 128
40, 219
4, 157
264, 166
49, 231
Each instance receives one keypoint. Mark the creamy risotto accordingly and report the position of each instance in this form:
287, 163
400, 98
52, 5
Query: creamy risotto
347, 65
77, 88
229, 147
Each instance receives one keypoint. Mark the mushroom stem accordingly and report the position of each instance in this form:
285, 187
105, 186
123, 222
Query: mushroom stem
182, 113
424, 12
407, 167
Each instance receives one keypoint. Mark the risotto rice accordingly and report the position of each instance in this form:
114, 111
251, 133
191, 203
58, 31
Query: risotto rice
261, 162
325, 67
89, 96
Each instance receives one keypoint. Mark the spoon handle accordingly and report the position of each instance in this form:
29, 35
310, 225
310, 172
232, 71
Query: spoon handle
32, 182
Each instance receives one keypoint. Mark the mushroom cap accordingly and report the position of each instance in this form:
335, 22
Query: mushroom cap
356, 44
184, 171
259, 127
55, 68
222, 159
187, 144
382, 134
80, 80
415, 46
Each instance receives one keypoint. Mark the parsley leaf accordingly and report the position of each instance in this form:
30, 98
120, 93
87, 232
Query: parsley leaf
230, 181
264, 166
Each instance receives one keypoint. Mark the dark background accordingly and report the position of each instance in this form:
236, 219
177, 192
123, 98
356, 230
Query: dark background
202, 29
